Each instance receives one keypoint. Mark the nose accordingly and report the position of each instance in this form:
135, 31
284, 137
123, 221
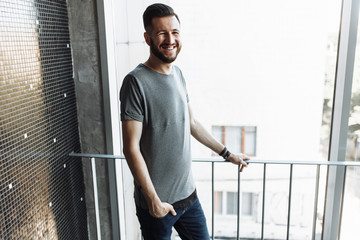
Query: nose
170, 38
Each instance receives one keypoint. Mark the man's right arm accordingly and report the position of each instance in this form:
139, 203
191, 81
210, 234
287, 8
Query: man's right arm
131, 131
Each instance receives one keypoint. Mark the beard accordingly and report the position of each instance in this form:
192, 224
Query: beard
160, 55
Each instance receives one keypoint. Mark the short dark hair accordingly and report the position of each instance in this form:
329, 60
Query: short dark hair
157, 10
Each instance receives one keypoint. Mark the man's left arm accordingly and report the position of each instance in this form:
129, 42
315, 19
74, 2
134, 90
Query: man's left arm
203, 136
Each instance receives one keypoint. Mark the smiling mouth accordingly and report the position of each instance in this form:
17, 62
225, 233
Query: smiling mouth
167, 47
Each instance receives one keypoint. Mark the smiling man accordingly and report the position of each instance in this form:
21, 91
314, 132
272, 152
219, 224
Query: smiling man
157, 122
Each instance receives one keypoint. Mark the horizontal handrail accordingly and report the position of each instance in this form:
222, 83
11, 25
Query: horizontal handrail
218, 159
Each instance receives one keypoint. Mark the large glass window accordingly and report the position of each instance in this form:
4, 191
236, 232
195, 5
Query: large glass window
269, 64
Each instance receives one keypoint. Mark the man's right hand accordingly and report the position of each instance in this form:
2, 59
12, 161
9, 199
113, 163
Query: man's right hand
160, 209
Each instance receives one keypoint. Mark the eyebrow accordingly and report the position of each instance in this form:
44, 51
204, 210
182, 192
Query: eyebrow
172, 30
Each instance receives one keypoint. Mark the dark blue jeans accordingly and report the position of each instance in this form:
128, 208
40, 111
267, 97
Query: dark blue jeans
190, 223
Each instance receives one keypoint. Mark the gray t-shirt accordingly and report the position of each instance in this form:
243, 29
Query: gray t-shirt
159, 101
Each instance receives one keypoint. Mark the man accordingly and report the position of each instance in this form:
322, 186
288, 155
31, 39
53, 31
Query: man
157, 121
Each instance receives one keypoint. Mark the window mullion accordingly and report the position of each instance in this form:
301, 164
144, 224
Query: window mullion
340, 117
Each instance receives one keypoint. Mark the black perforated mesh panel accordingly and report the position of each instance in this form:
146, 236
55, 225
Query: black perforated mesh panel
41, 188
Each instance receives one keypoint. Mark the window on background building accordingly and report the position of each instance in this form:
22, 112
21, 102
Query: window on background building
247, 204
231, 202
218, 202
225, 203
240, 139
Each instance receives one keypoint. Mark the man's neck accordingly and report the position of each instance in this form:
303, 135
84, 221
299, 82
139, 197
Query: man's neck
159, 66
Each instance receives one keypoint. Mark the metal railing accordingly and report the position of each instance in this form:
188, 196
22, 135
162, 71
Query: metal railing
265, 163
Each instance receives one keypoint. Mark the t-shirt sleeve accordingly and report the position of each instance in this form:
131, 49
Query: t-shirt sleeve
131, 100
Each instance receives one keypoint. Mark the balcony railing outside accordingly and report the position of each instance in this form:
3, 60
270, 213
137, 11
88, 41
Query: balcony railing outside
265, 163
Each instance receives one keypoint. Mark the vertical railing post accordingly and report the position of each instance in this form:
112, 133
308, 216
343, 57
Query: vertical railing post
212, 199
238, 206
342, 200
96, 199
263, 204
289, 204
316, 202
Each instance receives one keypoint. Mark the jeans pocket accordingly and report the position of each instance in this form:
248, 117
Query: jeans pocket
166, 217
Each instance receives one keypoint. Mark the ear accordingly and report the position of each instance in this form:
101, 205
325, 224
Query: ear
147, 38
